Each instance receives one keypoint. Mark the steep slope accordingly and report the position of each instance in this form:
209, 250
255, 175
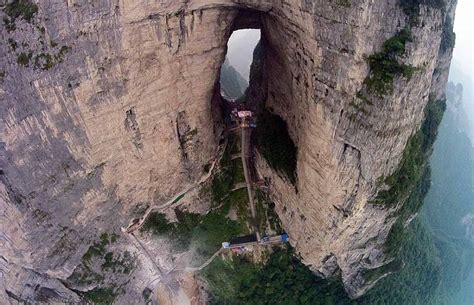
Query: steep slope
232, 84
353, 175
113, 106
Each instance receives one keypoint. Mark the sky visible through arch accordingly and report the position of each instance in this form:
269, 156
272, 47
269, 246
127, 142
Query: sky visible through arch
240, 50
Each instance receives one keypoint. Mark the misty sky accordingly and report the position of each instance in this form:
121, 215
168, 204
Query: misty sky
462, 66
463, 26
240, 50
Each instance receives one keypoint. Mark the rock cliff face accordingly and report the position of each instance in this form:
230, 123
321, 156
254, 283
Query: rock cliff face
109, 105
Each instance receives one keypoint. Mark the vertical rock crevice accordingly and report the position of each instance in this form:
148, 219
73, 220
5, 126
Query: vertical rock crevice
131, 125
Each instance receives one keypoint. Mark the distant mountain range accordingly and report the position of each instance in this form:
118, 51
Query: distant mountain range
458, 76
233, 85
449, 205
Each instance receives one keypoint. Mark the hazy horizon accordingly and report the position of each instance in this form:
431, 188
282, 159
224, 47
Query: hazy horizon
240, 50
463, 56
463, 27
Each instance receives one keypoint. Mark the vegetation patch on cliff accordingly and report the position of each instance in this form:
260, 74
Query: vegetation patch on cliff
267, 219
282, 279
385, 65
101, 267
230, 173
276, 145
438, 258
100, 295
25, 9
414, 160
416, 282
345, 3
27, 52
410, 183
371, 275
207, 231
449, 37
23, 59
43, 61
409, 208
412, 7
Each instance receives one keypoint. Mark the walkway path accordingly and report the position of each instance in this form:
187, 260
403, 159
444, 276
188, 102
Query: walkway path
147, 253
239, 186
138, 224
245, 147
244, 155
206, 263
270, 241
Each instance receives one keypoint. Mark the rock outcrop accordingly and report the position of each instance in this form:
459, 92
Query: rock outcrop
112, 105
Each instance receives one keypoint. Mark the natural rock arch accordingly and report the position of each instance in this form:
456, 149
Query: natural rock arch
69, 157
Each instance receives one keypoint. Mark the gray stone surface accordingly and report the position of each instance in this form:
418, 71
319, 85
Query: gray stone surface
127, 115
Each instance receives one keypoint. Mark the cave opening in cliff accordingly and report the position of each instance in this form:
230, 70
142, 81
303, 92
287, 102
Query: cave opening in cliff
275, 143
235, 71
252, 50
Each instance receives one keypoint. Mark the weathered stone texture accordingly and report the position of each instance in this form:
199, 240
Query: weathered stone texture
130, 116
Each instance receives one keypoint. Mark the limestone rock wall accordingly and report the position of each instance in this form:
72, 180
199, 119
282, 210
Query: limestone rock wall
125, 119
116, 108
343, 151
